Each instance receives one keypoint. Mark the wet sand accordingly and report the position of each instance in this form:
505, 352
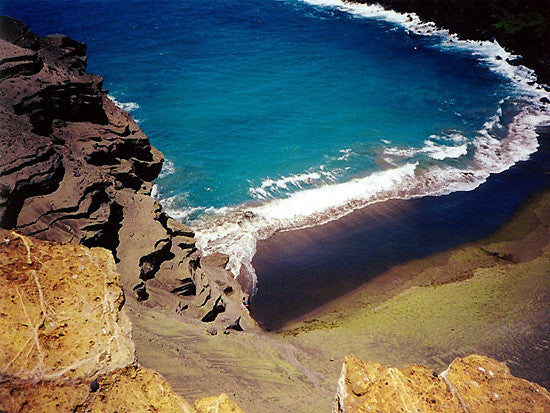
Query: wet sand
491, 297
299, 271
426, 311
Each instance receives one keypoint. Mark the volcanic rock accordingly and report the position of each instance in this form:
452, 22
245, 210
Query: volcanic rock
76, 168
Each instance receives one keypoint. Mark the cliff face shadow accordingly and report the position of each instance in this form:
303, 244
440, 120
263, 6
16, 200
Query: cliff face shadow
299, 271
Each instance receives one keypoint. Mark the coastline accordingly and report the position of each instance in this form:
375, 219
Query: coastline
451, 303
430, 309
425, 311
522, 28
345, 253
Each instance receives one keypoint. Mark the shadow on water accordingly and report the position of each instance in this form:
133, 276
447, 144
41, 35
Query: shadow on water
299, 271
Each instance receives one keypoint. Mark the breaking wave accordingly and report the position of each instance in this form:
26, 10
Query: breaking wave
125, 106
315, 196
236, 231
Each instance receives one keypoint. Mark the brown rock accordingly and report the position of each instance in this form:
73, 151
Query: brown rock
471, 384
76, 168
216, 259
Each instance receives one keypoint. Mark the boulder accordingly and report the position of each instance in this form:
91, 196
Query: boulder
474, 383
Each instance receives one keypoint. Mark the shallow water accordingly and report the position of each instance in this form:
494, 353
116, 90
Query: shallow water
300, 271
296, 112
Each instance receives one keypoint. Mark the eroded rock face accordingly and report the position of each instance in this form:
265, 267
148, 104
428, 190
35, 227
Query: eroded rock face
471, 384
76, 168
65, 340
60, 311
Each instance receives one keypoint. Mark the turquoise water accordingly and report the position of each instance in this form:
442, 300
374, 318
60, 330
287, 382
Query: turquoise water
257, 101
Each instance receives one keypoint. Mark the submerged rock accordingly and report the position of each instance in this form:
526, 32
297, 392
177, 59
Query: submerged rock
471, 384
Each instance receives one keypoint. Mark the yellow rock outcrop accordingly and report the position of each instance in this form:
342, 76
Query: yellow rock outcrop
65, 341
471, 384
220, 404
59, 313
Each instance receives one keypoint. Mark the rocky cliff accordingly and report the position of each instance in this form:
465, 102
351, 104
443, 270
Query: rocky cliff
76, 168
65, 341
471, 384
521, 26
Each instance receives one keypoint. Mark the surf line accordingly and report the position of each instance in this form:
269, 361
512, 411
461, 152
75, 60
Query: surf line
236, 230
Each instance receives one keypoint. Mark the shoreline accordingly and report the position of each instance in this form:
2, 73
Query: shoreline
339, 252
456, 302
523, 29
488, 296
426, 311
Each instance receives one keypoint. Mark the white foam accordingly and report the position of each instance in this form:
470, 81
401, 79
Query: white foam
155, 191
125, 106
346, 154
431, 149
236, 230
269, 188
168, 168
489, 52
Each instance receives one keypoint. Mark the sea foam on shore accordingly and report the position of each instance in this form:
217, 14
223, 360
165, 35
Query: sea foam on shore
504, 140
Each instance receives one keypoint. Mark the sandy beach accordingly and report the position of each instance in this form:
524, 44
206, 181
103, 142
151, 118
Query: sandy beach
489, 296
298, 271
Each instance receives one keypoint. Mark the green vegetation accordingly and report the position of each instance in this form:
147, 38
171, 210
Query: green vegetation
514, 23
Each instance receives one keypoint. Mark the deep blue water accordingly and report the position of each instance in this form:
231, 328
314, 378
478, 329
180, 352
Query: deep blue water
295, 112
234, 92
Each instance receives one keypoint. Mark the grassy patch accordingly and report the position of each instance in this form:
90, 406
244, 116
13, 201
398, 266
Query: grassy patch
514, 23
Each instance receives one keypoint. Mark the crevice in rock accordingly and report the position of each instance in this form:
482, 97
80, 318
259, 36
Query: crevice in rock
108, 237
31, 187
214, 312
141, 291
150, 263
78, 102
187, 288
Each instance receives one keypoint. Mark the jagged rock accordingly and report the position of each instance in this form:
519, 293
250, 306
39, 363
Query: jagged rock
19, 34
216, 259
471, 384
483, 384
76, 168
17, 60
65, 342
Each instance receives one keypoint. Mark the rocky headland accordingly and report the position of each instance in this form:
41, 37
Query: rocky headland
76, 168
522, 27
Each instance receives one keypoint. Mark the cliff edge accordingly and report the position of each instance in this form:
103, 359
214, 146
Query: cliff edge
76, 168
470, 384
66, 341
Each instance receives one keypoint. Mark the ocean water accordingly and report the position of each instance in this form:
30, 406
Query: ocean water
280, 114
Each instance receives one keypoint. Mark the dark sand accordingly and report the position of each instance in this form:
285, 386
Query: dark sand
425, 311
299, 271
